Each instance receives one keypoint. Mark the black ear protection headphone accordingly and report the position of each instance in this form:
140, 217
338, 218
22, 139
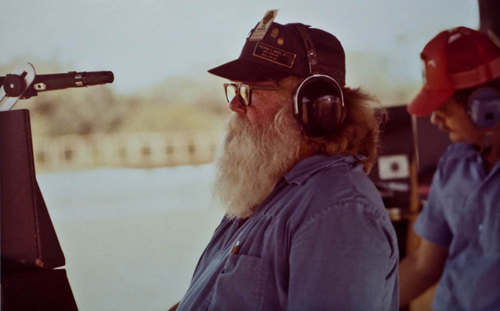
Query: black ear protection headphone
483, 107
318, 101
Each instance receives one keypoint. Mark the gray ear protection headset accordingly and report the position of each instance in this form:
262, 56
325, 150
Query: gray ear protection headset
483, 106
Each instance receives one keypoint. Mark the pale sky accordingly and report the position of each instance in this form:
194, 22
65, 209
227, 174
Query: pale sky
145, 41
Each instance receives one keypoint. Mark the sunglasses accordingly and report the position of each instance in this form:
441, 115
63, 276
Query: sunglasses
244, 91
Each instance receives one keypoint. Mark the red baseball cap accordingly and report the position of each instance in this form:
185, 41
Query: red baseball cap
455, 59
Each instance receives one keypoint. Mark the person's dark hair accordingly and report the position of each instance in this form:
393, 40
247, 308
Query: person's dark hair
359, 133
462, 96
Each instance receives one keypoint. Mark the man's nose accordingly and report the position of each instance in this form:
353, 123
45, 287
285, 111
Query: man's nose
236, 105
436, 118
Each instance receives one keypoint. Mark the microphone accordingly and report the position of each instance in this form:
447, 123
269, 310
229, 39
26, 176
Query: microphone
58, 81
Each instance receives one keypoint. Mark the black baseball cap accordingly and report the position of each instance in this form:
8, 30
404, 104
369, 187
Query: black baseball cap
281, 52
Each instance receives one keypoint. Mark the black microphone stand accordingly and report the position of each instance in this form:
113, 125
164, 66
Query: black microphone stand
31, 256
16, 85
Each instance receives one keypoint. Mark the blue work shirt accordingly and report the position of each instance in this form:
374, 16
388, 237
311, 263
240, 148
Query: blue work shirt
322, 240
463, 214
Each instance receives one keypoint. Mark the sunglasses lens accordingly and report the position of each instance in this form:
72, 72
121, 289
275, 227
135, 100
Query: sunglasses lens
230, 92
245, 94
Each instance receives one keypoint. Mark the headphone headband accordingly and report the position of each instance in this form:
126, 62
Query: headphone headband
312, 57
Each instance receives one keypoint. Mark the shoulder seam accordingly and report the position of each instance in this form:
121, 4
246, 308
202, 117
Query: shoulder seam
339, 204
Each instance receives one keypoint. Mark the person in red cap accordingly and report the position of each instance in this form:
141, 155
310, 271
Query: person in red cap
305, 228
460, 223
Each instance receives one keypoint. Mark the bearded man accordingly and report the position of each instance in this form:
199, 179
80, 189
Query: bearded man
305, 229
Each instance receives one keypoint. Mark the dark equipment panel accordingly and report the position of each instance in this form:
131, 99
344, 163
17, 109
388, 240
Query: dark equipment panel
30, 250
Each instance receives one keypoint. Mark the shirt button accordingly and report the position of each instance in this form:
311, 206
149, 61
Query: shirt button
481, 227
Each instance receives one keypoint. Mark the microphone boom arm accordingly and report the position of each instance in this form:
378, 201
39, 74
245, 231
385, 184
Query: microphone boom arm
23, 83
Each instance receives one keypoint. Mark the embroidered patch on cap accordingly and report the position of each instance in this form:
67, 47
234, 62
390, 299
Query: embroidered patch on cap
275, 55
260, 31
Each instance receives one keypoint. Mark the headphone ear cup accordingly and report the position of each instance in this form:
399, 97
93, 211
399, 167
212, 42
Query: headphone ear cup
319, 105
483, 106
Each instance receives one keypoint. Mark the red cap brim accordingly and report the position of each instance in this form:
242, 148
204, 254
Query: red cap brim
427, 101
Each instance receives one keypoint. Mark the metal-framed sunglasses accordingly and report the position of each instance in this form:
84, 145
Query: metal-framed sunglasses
244, 91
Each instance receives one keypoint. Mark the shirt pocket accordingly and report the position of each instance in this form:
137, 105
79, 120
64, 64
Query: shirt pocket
241, 284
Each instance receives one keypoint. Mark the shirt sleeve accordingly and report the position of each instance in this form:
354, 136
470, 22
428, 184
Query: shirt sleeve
431, 224
345, 258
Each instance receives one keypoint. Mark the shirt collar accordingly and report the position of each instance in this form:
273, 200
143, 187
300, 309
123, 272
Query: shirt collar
309, 166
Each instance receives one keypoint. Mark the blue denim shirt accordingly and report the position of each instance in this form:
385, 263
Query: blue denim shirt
322, 240
463, 214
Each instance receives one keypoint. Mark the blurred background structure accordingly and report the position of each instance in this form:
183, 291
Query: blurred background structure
159, 52
125, 168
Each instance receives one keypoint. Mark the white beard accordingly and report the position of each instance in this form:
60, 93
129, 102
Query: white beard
253, 159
